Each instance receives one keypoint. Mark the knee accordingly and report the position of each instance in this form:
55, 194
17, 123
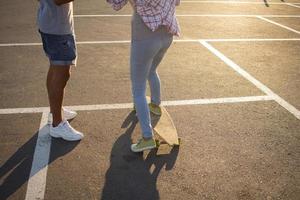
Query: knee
153, 75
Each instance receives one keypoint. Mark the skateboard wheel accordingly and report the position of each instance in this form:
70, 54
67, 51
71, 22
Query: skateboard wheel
179, 142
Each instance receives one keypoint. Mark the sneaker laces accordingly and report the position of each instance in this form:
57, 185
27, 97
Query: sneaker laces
67, 126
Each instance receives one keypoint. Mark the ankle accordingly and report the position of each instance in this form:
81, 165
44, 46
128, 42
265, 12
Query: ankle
56, 123
147, 139
155, 105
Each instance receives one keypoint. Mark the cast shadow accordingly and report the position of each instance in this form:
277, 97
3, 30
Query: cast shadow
16, 170
134, 175
267, 4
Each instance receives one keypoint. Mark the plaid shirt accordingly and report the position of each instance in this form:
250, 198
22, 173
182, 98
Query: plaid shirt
154, 13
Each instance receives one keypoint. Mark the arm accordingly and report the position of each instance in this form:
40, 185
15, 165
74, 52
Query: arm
61, 2
117, 4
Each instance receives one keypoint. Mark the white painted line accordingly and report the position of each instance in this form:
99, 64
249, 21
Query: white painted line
38, 174
101, 107
20, 44
194, 15
176, 40
215, 15
127, 15
130, 105
293, 5
235, 2
250, 78
251, 40
277, 24
24, 110
217, 100
105, 42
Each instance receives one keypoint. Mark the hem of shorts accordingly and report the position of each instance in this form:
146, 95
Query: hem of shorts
62, 62
57, 33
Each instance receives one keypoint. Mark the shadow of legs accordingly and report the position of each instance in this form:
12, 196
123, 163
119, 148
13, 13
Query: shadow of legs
129, 175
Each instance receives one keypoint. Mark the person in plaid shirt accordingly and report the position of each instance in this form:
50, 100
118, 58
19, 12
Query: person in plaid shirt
154, 13
153, 26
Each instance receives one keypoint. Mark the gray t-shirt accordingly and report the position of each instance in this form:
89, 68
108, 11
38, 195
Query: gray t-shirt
53, 19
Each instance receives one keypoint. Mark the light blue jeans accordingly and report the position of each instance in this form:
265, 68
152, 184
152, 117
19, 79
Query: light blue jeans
147, 50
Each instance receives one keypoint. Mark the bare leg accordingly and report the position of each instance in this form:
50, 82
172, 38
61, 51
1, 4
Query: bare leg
57, 79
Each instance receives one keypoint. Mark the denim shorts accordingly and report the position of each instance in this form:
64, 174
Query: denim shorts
60, 49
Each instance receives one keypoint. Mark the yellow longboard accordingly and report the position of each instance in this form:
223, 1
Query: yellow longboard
164, 127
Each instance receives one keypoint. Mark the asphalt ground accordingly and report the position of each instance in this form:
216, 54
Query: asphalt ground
230, 82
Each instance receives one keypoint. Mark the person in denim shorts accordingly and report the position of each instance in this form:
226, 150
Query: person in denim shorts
56, 27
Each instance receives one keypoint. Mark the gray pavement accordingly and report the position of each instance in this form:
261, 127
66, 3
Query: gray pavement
237, 150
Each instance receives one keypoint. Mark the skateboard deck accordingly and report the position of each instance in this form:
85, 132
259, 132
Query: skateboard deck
164, 127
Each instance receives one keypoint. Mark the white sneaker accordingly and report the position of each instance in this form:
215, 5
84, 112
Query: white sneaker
65, 131
68, 114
